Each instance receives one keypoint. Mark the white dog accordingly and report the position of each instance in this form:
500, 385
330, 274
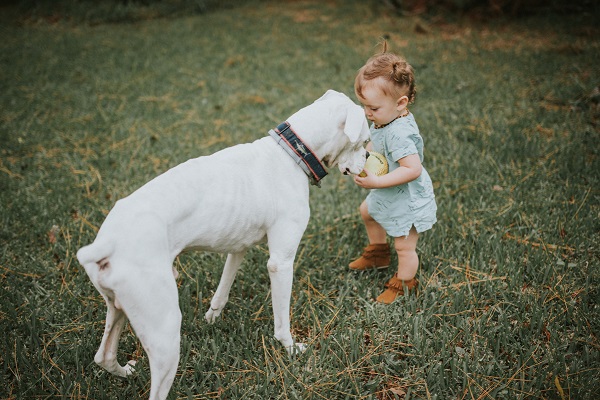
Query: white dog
225, 202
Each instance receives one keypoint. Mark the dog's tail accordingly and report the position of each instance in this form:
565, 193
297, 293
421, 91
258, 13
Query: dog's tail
94, 253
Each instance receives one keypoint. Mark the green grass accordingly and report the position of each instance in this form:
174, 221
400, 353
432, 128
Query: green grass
508, 306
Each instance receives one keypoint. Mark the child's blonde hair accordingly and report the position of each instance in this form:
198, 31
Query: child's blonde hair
398, 75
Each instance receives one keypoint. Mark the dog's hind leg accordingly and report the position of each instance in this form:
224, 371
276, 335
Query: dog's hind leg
106, 356
221, 296
152, 307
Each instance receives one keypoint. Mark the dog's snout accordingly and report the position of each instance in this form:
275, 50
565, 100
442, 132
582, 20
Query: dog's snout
367, 155
347, 171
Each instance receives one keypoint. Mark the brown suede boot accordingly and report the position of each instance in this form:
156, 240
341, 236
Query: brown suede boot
395, 288
375, 256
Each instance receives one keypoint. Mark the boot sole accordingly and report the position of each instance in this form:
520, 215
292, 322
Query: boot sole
369, 268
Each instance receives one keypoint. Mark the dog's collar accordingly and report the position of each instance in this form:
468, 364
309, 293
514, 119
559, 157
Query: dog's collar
285, 137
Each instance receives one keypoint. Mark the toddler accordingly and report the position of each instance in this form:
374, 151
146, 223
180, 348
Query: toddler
401, 203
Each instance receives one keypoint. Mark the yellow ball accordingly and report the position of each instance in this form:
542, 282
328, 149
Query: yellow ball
376, 164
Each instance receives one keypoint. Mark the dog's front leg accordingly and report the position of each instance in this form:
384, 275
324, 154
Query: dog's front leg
219, 300
281, 273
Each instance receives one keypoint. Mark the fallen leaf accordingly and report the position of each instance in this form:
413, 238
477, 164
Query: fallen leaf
562, 233
52, 234
398, 391
559, 388
257, 100
545, 131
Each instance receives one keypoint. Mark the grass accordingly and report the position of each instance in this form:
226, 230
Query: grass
508, 306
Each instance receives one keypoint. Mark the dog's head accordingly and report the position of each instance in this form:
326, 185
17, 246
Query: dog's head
336, 129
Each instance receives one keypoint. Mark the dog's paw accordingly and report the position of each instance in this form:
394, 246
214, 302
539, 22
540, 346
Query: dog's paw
112, 366
211, 315
128, 368
297, 348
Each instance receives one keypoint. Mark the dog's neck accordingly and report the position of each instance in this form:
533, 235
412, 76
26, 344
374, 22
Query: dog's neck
300, 152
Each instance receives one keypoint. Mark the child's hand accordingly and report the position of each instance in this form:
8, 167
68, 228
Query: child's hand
368, 182
410, 169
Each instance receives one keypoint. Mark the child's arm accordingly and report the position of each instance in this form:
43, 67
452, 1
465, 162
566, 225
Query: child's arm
409, 170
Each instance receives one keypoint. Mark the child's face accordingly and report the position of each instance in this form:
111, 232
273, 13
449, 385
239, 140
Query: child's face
379, 107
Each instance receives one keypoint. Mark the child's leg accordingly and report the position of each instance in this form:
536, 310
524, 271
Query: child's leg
375, 232
408, 260
408, 263
377, 253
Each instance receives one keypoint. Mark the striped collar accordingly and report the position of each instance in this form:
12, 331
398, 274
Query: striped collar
285, 137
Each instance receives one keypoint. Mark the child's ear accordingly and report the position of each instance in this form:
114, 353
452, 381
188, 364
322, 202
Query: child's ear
402, 103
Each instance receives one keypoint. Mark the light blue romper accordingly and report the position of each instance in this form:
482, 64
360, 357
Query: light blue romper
398, 208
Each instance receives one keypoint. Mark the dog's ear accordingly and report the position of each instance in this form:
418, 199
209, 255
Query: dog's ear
356, 122
329, 94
